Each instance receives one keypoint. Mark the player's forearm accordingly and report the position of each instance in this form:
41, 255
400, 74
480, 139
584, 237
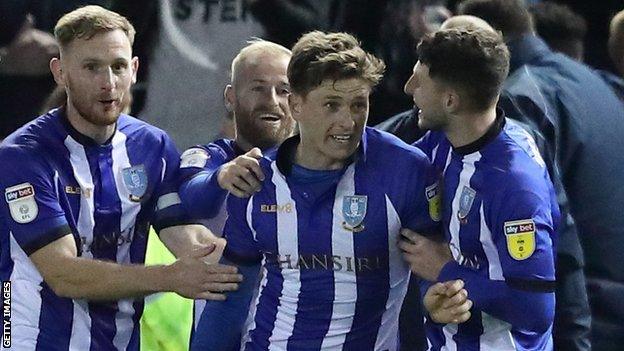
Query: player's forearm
182, 240
524, 309
201, 195
98, 280
222, 322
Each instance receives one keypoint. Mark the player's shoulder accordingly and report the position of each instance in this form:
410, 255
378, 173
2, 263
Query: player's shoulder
522, 150
386, 149
217, 152
513, 161
140, 131
33, 140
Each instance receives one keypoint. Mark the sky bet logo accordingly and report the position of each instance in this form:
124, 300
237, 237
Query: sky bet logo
19, 193
517, 227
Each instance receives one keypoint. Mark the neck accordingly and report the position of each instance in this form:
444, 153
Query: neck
469, 127
242, 143
306, 157
100, 134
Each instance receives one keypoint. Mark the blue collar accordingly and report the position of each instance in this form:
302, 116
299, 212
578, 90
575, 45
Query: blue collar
525, 49
84, 140
286, 153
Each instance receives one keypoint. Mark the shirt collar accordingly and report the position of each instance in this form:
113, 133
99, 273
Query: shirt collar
286, 153
490, 135
75, 134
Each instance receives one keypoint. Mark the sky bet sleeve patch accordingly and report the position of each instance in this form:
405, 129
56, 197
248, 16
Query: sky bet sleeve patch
435, 202
21, 200
194, 157
520, 238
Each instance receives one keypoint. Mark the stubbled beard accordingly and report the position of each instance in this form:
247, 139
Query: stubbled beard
262, 137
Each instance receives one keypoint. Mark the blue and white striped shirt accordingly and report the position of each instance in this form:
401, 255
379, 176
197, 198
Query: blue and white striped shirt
56, 182
333, 276
500, 216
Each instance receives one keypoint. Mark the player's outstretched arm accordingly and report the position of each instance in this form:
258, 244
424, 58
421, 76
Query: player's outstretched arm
242, 176
527, 304
204, 193
79, 278
221, 322
526, 307
183, 239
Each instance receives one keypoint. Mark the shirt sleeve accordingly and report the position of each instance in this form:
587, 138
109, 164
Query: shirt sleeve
242, 246
424, 144
221, 323
522, 229
31, 206
169, 209
422, 208
200, 192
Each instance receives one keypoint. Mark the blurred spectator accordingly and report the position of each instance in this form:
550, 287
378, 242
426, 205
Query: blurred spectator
188, 46
597, 14
583, 121
616, 42
26, 47
561, 28
391, 29
564, 31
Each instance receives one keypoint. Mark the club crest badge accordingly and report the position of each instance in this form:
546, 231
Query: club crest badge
353, 212
465, 203
135, 180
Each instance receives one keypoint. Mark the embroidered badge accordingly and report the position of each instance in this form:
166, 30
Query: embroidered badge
465, 203
353, 212
520, 237
22, 204
435, 202
194, 157
135, 180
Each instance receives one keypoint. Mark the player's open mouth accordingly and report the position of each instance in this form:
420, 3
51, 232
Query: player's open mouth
270, 117
108, 102
341, 138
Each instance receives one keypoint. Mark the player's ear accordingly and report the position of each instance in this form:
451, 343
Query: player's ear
294, 101
57, 71
451, 101
229, 98
135, 68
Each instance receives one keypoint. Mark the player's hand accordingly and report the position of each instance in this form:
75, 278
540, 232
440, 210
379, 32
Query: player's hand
219, 246
448, 302
425, 256
194, 278
242, 176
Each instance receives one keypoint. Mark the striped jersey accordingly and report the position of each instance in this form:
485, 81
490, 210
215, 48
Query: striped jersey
57, 181
500, 216
198, 168
333, 276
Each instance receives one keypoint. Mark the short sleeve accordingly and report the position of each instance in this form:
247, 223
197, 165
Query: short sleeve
169, 210
523, 232
422, 206
201, 158
242, 247
31, 204
201, 194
